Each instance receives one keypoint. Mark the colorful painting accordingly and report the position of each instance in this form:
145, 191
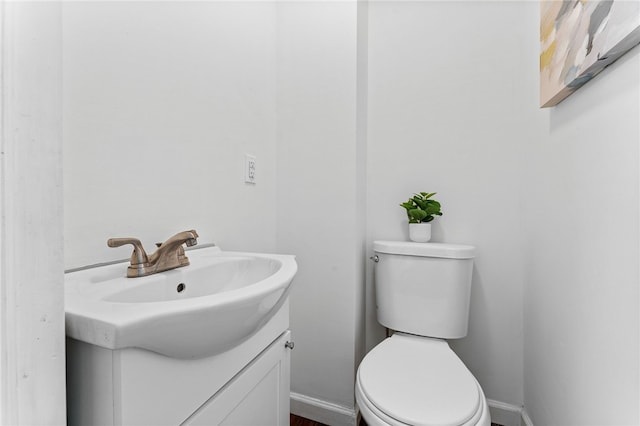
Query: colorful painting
579, 38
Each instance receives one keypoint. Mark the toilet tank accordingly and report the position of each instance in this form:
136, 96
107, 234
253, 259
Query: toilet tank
423, 288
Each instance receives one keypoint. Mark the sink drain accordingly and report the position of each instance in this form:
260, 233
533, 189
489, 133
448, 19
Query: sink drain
181, 287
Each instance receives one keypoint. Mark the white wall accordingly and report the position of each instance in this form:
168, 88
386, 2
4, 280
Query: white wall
581, 300
159, 96
319, 215
32, 365
445, 103
161, 102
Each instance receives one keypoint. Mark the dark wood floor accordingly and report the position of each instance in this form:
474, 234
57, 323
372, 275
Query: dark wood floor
301, 421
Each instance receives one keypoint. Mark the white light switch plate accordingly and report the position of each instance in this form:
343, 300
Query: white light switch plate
249, 168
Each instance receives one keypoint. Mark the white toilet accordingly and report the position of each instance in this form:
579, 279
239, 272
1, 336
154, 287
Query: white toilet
413, 377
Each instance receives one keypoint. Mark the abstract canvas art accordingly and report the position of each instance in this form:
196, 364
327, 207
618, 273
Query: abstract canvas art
579, 38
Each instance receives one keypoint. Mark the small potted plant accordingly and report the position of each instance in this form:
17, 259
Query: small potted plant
421, 210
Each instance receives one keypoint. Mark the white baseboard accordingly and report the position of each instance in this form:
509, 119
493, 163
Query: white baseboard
338, 415
504, 414
526, 420
508, 414
322, 411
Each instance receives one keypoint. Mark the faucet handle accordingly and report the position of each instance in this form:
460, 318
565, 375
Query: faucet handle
138, 257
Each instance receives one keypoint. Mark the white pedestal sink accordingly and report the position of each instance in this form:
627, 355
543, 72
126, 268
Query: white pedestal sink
192, 345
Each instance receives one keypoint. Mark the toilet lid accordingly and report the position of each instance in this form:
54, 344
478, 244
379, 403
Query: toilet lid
419, 381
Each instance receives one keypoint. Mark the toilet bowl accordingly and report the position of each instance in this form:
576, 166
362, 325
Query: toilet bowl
413, 377
419, 381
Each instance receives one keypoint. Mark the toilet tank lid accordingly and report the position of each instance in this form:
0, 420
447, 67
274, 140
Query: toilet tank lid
450, 251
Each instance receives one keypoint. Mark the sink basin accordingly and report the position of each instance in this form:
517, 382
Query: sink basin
196, 311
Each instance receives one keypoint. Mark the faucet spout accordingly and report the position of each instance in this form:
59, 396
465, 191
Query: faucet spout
185, 237
170, 254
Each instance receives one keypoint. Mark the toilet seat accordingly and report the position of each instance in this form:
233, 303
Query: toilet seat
419, 381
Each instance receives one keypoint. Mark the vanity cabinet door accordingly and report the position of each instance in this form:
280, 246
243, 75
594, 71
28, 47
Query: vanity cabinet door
257, 396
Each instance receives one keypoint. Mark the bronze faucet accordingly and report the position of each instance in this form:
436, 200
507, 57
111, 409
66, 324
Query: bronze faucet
169, 254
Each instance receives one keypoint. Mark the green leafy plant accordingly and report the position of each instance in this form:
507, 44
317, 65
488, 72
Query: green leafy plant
421, 208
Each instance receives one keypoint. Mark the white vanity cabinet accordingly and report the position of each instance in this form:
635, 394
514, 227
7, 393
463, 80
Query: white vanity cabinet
247, 385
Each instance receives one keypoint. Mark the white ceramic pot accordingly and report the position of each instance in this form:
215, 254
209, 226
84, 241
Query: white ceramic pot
420, 232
